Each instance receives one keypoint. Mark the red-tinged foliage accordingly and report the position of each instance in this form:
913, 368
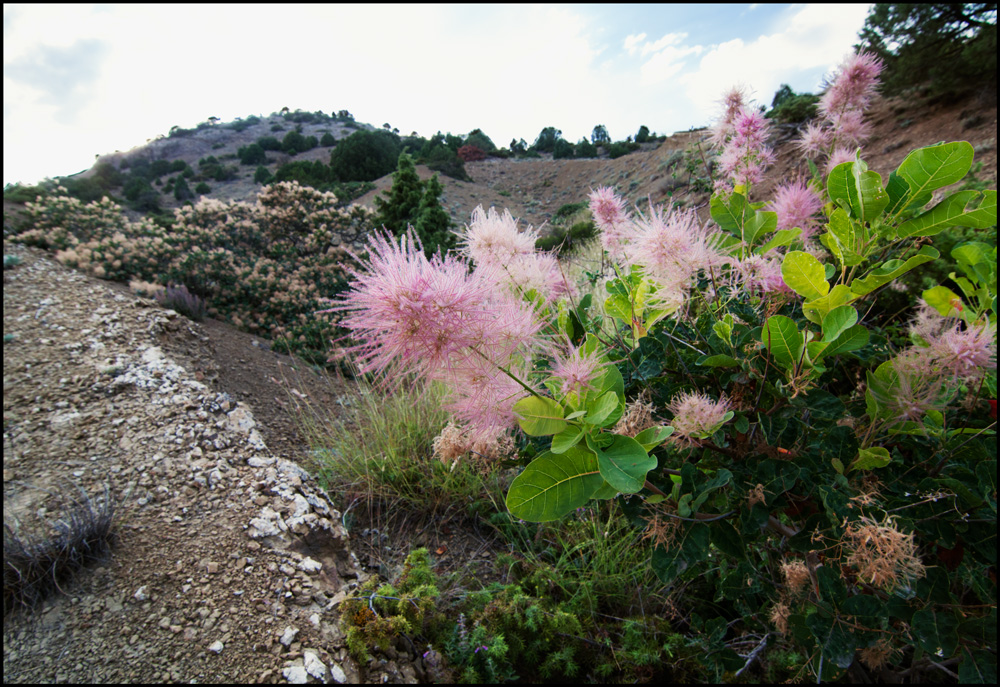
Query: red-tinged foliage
471, 154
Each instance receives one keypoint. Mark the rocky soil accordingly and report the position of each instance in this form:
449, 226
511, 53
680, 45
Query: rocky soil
231, 561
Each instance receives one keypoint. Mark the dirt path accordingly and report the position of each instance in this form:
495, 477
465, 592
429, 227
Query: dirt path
224, 544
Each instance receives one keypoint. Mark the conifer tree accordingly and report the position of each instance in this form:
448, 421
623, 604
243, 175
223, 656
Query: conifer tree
433, 224
401, 205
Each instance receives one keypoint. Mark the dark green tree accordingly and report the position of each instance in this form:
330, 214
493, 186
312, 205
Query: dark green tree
252, 154
327, 140
477, 138
518, 147
562, 150
781, 95
365, 156
546, 141
643, 135
952, 47
600, 135
433, 224
261, 176
400, 206
182, 191
585, 149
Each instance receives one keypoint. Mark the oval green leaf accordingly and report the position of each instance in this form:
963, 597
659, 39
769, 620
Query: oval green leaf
783, 339
540, 416
624, 463
804, 275
552, 486
930, 168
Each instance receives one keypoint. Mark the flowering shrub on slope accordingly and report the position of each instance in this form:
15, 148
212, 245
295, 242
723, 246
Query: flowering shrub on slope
830, 474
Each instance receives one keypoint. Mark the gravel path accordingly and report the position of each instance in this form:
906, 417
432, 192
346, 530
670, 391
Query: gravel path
231, 562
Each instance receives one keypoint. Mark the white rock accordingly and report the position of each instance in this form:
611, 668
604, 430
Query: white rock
288, 635
295, 675
313, 665
338, 674
141, 594
216, 647
309, 565
240, 420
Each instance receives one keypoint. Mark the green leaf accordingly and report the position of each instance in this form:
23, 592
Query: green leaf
567, 439
730, 216
783, 339
978, 668
760, 224
933, 167
720, 480
942, 299
624, 463
837, 321
651, 437
842, 238
804, 275
891, 269
850, 340
853, 186
552, 486
599, 409
935, 631
782, 237
816, 310
605, 492
540, 416
871, 458
718, 361
619, 306
955, 210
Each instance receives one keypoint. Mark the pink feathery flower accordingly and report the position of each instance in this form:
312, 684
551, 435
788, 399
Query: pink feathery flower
966, 352
853, 85
611, 218
408, 312
577, 370
797, 204
671, 246
538, 272
757, 274
920, 386
732, 101
814, 141
746, 154
696, 416
850, 127
493, 239
482, 396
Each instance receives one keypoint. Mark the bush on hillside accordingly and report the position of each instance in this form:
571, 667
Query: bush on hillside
252, 155
365, 156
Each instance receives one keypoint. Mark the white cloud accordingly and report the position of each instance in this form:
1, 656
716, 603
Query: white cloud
632, 42
669, 39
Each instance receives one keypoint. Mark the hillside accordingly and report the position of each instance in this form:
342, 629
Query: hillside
534, 189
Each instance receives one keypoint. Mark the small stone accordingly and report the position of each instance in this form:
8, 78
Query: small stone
288, 635
295, 675
337, 673
313, 665
216, 647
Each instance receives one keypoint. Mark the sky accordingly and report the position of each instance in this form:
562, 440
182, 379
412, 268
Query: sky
82, 80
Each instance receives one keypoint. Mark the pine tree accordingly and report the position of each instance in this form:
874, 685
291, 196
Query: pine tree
401, 205
433, 224
182, 191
